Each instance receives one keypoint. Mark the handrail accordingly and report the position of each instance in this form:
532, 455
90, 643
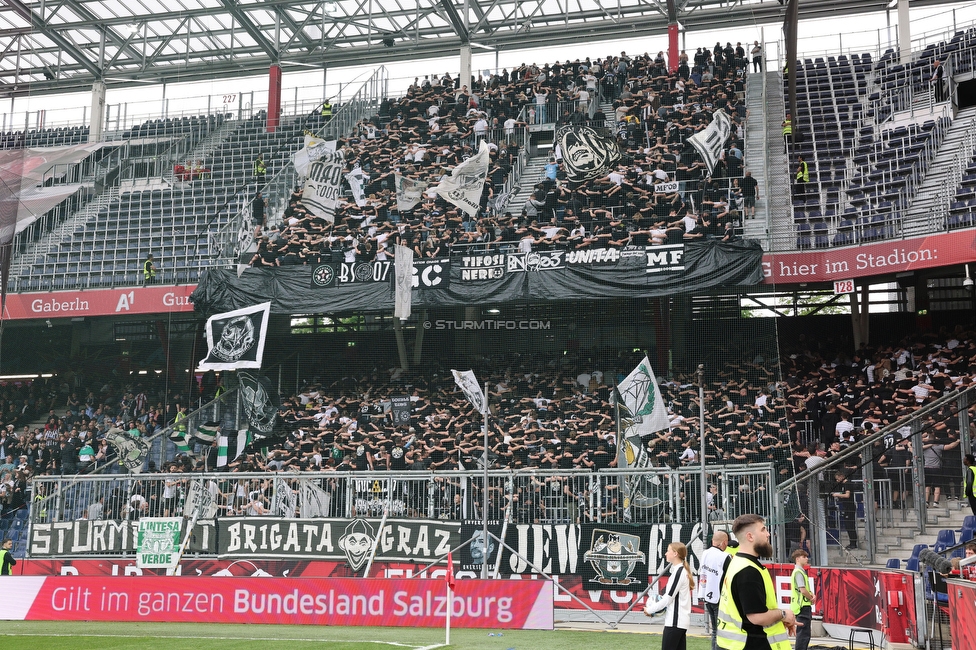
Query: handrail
855, 449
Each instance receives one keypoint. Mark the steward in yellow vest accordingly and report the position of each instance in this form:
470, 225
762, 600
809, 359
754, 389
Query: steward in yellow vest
802, 598
749, 617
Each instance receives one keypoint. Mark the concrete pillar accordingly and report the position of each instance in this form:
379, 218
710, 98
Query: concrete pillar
466, 65
904, 32
97, 112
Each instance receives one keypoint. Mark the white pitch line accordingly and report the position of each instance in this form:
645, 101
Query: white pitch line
228, 638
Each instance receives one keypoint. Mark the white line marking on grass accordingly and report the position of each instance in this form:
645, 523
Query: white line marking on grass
225, 638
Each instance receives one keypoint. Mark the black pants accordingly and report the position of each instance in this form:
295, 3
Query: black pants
674, 639
972, 503
804, 620
849, 522
712, 611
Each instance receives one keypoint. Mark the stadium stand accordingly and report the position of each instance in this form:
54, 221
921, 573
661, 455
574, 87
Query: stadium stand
653, 115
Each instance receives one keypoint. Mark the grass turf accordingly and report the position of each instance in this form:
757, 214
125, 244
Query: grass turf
177, 636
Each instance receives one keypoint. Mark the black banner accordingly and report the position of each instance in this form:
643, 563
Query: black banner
431, 273
106, 537
400, 407
474, 554
633, 272
336, 539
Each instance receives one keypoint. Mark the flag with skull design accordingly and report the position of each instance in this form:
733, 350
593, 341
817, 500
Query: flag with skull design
261, 402
587, 152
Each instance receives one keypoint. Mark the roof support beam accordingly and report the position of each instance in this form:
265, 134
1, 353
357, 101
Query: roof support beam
65, 44
254, 32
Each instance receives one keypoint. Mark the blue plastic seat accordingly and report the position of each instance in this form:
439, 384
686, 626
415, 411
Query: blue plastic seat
912, 564
893, 563
918, 548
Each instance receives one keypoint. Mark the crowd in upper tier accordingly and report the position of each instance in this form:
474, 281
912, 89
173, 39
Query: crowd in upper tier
439, 122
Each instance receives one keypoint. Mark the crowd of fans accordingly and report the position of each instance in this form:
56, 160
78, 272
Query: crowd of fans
548, 412
439, 122
76, 411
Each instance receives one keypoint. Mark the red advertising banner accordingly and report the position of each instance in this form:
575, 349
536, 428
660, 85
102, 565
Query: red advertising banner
962, 613
99, 302
864, 598
506, 604
872, 259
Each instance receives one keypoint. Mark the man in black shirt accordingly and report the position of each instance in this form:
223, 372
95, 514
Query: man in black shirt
750, 192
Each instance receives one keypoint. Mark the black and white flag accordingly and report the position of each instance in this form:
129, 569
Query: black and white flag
409, 192
324, 184
261, 402
710, 141
464, 186
235, 339
587, 152
357, 179
469, 385
314, 149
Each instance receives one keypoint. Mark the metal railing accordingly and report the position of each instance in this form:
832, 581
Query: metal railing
536, 496
879, 530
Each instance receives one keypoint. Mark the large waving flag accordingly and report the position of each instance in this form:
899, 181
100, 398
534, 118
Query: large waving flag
469, 385
464, 186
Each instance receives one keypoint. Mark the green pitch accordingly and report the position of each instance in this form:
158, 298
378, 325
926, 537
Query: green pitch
177, 636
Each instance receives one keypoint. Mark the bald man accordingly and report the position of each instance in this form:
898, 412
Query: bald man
714, 562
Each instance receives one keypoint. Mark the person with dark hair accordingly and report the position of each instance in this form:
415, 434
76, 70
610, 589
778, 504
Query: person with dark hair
7, 561
802, 598
969, 482
846, 508
711, 571
749, 617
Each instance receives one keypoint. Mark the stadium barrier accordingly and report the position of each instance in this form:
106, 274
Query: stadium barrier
962, 612
658, 494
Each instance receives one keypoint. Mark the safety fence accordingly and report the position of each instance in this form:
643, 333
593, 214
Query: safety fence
544, 496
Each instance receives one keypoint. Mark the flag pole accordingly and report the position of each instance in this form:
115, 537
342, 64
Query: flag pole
450, 606
701, 435
484, 496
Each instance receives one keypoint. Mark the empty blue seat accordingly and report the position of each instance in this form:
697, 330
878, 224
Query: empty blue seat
912, 564
893, 563
918, 548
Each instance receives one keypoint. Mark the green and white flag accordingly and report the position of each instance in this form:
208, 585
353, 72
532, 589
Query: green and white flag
230, 447
642, 412
158, 542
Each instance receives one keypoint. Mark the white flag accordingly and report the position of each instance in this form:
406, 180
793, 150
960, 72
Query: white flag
711, 140
469, 385
403, 284
235, 339
409, 192
321, 191
314, 149
464, 186
356, 180
641, 398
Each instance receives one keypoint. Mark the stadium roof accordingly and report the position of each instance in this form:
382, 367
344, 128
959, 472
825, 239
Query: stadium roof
57, 46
